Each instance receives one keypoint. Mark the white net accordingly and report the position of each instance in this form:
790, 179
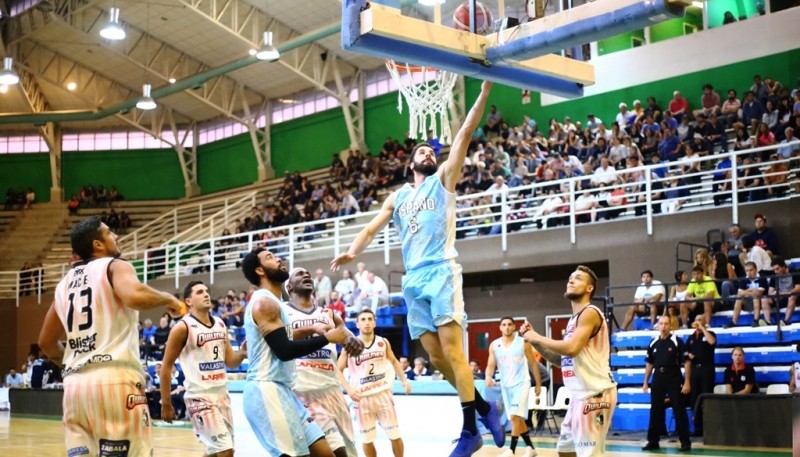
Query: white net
428, 100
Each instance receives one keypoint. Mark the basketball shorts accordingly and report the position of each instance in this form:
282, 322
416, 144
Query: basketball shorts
377, 408
434, 297
279, 420
212, 421
329, 410
107, 420
515, 400
586, 424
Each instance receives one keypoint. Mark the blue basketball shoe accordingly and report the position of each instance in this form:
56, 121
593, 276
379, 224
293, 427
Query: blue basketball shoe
467, 444
492, 422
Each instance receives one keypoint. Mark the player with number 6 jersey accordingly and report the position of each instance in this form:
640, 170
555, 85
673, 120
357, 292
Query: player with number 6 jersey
201, 342
96, 311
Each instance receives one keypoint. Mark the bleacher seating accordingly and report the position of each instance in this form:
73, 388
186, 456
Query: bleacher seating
7, 220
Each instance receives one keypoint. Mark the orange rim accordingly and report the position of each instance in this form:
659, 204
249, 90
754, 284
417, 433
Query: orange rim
408, 68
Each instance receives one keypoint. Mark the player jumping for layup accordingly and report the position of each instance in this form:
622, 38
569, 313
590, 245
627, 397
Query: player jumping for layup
201, 341
424, 214
583, 356
98, 304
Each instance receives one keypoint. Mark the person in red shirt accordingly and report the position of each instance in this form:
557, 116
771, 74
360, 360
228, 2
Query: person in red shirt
678, 106
336, 304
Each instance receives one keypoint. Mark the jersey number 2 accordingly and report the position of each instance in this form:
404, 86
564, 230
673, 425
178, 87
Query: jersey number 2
85, 310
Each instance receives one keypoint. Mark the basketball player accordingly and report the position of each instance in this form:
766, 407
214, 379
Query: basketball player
583, 356
201, 341
372, 373
97, 304
279, 420
516, 361
424, 213
317, 385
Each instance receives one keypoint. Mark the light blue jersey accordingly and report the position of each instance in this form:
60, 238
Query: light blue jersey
426, 219
264, 365
512, 362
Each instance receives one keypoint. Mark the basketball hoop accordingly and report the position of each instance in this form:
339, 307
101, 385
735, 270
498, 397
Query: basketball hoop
426, 100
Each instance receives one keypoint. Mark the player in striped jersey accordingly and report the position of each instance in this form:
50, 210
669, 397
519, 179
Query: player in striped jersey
583, 356
279, 420
202, 343
371, 378
317, 385
97, 306
516, 361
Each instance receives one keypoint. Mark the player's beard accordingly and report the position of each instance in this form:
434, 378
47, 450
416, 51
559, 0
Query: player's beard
426, 169
572, 295
277, 275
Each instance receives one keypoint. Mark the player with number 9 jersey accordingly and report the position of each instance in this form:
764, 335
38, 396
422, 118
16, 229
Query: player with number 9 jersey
97, 306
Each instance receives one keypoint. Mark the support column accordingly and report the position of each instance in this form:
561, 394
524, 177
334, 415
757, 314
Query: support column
260, 138
52, 136
353, 113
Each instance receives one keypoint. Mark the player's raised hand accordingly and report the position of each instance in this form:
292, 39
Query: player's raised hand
353, 346
167, 412
407, 386
341, 259
525, 327
176, 308
320, 328
338, 335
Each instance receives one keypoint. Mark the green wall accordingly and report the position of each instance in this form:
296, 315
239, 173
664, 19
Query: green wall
227, 163
26, 170
717, 9
618, 43
783, 67
674, 27
148, 174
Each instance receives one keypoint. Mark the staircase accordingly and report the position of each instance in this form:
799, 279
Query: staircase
31, 236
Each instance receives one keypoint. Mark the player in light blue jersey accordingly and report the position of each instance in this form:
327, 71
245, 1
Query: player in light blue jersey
516, 361
424, 213
281, 423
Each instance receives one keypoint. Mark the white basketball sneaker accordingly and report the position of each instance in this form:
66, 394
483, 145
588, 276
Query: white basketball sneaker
506, 453
529, 452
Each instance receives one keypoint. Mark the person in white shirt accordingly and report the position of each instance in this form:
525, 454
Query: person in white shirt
374, 293
649, 293
360, 276
322, 288
622, 116
752, 252
604, 175
345, 287
349, 204
585, 208
14, 380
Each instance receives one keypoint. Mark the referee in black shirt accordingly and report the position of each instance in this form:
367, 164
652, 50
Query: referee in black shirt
665, 355
700, 347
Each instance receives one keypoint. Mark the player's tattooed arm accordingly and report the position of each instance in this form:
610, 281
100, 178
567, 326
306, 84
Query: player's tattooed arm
550, 356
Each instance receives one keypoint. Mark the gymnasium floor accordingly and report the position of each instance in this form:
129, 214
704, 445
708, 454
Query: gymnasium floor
44, 438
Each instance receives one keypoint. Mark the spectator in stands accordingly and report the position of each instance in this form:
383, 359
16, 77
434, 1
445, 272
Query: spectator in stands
751, 288
322, 288
159, 340
678, 106
742, 140
407, 368
728, 18
477, 373
716, 135
734, 246
586, 207
493, 120
421, 367
677, 295
124, 222
114, 195
649, 293
703, 260
709, 102
669, 147
703, 289
73, 204
147, 333
776, 177
752, 110
14, 380
794, 374
751, 181
764, 236
751, 252
30, 198
764, 138
731, 109
740, 379
605, 174
723, 273
621, 120
337, 305
759, 90
789, 145
373, 293
700, 350
348, 205
346, 286
593, 123
784, 288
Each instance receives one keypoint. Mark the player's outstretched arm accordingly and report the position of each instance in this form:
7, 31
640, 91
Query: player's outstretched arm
398, 369
341, 364
136, 295
267, 315
175, 343
451, 169
491, 365
51, 335
234, 359
365, 236
529, 335
533, 366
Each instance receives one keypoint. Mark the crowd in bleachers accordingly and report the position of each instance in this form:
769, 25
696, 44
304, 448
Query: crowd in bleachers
20, 199
90, 197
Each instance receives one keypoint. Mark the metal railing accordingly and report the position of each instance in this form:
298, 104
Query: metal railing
640, 192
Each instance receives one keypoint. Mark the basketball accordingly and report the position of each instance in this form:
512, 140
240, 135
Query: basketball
483, 17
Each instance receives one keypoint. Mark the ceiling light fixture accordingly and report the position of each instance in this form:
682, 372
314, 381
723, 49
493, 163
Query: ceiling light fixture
113, 31
268, 52
3, 88
172, 80
8, 76
146, 102
71, 86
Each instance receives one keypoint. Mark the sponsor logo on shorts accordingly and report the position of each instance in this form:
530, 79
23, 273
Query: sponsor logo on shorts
81, 450
589, 407
114, 448
212, 366
135, 400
